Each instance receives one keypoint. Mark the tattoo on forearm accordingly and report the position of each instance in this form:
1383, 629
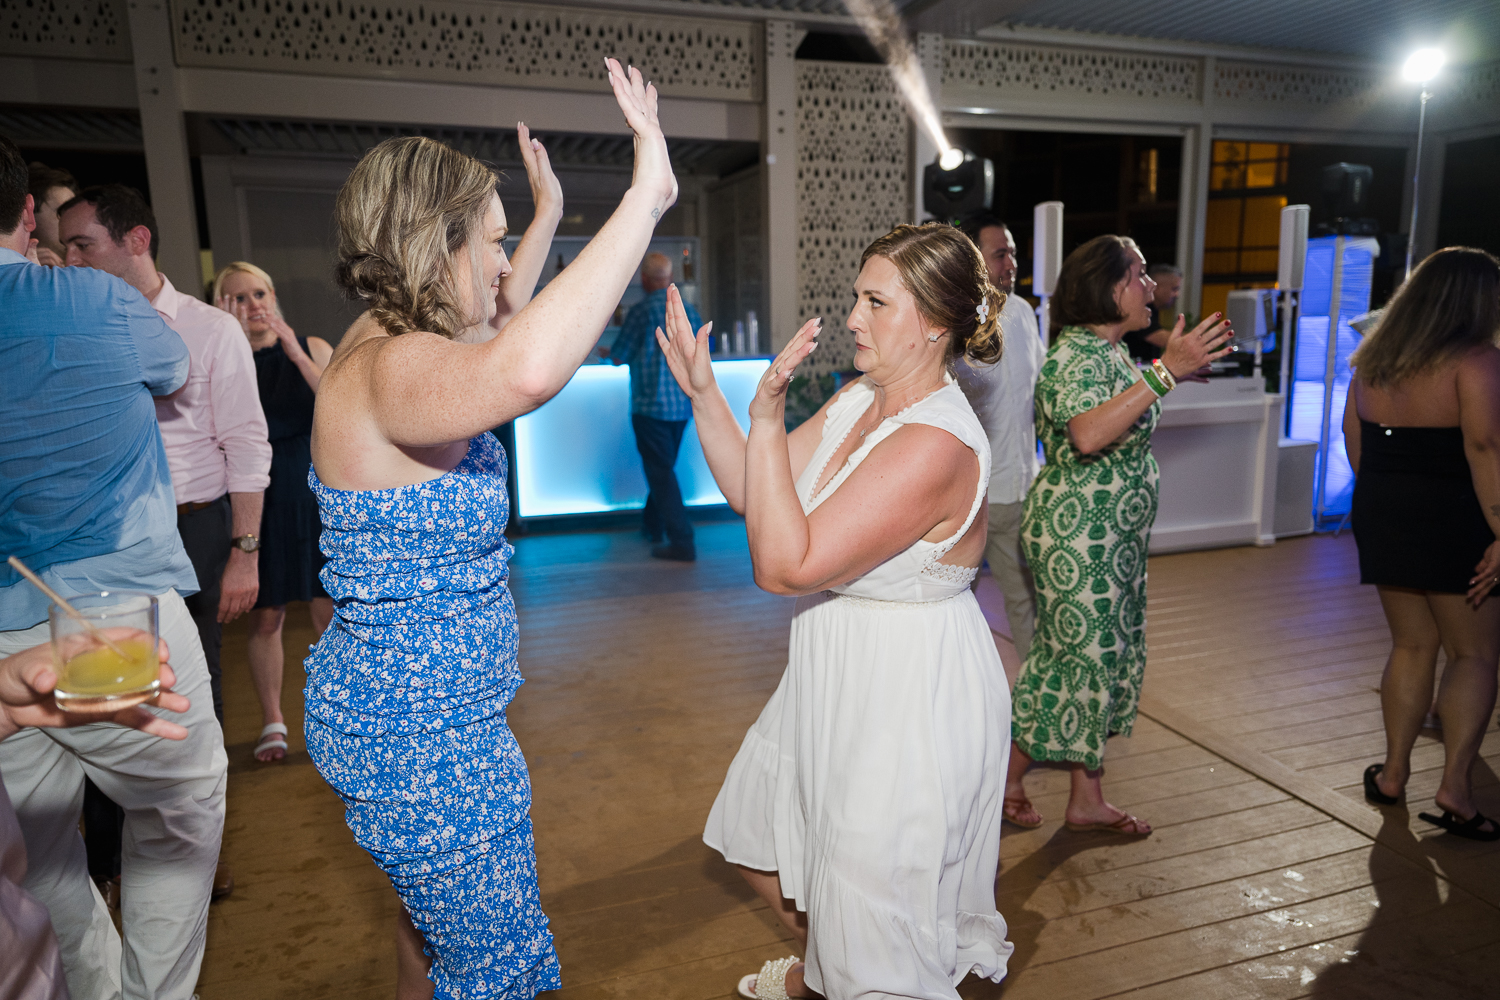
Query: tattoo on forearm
1495, 509
655, 214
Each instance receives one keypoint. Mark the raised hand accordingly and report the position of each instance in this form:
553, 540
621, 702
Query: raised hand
284, 333
770, 395
653, 166
546, 192
687, 353
1187, 354
48, 258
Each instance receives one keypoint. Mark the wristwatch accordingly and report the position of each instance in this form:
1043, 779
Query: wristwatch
246, 543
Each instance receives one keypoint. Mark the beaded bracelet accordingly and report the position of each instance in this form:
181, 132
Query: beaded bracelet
1153, 382
1168, 379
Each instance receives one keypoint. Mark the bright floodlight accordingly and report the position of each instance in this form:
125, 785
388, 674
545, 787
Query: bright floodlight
951, 159
1423, 65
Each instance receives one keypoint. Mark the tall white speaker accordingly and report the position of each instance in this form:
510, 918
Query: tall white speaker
1046, 247
1292, 259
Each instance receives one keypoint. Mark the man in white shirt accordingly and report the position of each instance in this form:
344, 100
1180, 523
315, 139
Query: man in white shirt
1001, 395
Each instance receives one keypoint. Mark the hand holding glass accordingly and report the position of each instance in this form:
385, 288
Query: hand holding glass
99, 677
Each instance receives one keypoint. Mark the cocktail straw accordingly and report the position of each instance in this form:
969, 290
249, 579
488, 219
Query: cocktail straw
59, 600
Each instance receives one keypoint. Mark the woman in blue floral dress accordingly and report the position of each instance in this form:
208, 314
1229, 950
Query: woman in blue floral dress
1086, 523
407, 690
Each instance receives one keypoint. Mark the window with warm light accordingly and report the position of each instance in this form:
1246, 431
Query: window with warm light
1243, 225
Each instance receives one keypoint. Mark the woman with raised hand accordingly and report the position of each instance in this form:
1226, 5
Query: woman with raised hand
407, 690
1422, 428
1086, 525
867, 795
287, 371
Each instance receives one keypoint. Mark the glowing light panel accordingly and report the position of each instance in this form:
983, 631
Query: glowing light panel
577, 455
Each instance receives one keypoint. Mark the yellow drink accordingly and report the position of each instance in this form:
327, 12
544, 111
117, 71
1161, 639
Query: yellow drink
100, 680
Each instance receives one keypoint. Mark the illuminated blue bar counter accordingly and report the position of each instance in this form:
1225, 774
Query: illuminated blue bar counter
576, 454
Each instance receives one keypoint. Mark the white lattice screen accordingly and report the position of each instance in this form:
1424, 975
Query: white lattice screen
71, 29
853, 153
465, 41
1013, 69
1259, 82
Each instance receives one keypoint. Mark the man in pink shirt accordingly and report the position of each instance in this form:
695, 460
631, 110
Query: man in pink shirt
213, 427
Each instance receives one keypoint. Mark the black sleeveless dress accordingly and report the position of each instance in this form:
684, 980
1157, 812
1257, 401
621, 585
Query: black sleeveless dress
1416, 519
289, 529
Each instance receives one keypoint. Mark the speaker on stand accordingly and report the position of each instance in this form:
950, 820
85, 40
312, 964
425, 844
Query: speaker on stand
1046, 259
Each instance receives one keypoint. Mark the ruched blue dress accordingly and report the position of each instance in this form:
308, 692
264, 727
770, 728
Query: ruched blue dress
406, 698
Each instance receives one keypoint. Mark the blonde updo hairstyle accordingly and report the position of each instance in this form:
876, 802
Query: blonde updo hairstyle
410, 206
945, 273
245, 267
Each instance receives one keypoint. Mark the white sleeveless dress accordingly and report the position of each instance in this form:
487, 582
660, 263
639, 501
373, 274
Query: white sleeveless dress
872, 781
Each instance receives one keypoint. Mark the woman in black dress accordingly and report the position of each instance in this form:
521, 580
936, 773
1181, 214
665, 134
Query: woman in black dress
287, 368
1422, 428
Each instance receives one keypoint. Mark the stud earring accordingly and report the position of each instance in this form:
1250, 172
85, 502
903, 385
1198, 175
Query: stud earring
932, 340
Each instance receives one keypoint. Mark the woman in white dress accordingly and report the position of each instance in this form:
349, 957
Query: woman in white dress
865, 803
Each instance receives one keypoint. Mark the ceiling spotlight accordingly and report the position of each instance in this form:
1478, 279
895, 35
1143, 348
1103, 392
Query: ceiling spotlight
1423, 65
957, 183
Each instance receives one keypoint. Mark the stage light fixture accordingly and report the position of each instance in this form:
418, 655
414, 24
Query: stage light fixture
957, 183
1423, 65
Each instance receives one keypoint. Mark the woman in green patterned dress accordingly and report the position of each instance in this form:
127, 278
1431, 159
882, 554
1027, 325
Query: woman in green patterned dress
1086, 522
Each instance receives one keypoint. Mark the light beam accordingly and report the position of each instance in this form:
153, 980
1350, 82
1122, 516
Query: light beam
882, 26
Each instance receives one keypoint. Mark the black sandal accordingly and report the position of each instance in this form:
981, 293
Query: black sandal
1372, 790
1467, 829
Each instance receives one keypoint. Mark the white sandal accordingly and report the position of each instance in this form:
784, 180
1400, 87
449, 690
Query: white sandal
272, 737
773, 974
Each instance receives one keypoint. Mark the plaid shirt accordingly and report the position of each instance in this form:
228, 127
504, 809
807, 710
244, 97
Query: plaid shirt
653, 390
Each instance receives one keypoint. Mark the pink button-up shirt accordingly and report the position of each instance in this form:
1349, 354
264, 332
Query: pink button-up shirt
213, 427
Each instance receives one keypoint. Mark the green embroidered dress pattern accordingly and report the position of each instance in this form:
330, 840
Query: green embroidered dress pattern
1085, 526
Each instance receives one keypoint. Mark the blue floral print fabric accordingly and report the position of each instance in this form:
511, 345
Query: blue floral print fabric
405, 717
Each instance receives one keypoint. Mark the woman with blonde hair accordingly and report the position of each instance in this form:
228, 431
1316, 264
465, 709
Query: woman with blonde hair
1422, 428
407, 690
864, 803
287, 371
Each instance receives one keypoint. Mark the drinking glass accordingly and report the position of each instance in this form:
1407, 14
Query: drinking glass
92, 677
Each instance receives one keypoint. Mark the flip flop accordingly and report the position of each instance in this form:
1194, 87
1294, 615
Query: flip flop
1009, 814
1465, 828
1118, 826
1372, 790
773, 974
272, 737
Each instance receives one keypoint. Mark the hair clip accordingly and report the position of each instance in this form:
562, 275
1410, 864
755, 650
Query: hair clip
983, 310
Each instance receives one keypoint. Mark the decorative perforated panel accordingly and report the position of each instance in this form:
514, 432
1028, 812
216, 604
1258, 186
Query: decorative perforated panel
1259, 82
70, 29
853, 149
1477, 85
463, 41
1020, 69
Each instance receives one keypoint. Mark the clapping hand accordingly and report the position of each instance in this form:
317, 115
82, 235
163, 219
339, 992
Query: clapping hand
687, 353
27, 682
1187, 354
653, 166
239, 310
770, 395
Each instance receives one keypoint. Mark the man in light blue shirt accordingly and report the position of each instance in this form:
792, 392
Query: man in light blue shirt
86, 500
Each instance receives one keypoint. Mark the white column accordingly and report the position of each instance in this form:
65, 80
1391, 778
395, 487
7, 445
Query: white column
1192, 207
165, 138
924, 151
1430, 197
779, 169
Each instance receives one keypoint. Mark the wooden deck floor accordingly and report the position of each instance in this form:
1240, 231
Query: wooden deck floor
1268, 876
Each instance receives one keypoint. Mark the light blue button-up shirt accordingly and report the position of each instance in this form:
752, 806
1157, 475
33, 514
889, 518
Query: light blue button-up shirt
85, 493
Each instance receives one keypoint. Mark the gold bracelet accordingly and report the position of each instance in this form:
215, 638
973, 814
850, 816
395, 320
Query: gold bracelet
1165, 373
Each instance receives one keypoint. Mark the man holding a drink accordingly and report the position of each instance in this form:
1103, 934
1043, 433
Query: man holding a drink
87, 502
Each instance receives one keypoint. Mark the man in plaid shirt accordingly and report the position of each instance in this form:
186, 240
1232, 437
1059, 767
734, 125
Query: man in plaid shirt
659, 410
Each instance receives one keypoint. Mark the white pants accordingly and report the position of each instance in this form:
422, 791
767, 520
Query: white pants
173, 795
1007, 561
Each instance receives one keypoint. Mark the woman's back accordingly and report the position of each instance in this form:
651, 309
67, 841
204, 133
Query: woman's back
1427, 399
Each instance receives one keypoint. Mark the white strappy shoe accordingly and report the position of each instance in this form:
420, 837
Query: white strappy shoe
773, 975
